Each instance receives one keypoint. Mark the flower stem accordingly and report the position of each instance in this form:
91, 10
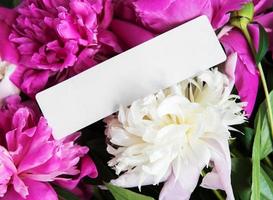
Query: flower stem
215, 192
218, 195
269, 109
260, 68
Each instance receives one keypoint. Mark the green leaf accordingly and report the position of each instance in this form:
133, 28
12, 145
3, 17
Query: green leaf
16, 2
269, 171
124, 194
266, 139
64, 194
256, 151
247, 138
266, 186
263, 44
241, 178
6, 3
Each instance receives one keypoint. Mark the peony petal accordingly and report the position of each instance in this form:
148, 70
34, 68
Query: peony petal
262, 5
222, 9
181, 187
229, 69
133, 178
131, 35
30, 81
36, 189
161, 16
12, 195
20, 186
88, 168
220, 177
8, 51
246, 74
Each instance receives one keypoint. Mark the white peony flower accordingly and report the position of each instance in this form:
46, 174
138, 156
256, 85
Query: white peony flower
172, 135
7, 88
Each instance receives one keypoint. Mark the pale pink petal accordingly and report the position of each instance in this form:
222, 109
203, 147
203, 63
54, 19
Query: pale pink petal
229, 69
220, 177
7, 88
181, 188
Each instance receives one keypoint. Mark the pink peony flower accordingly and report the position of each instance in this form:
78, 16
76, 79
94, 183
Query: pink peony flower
30, 158
157, 16
52, 40
246, 74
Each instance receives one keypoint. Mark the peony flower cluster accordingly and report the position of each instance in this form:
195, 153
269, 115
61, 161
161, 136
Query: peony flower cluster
137, 21
30, 158
51, 40
173, 135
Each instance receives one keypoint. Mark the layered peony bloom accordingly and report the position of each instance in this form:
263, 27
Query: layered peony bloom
51, 40
150, 17
7, 88
172, 135
247, 75
30, 158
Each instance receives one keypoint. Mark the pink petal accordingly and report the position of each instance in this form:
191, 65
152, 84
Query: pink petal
222, 9
67, 30
109, 39
107, 14
161, 16
220, 177
12, 195
182, 187
247, 85
229, 69
88, 168
262, 5
20, 186
131, 35
30, 81
8, 51
246, 74
36, 189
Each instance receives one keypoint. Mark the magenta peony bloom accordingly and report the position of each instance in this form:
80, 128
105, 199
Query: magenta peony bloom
30, 158
52, 40
157, 16
246, 74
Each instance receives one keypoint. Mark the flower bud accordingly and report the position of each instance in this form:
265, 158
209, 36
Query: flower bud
243, 17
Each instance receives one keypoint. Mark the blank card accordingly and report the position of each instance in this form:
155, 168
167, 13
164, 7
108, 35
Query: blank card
157, 64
